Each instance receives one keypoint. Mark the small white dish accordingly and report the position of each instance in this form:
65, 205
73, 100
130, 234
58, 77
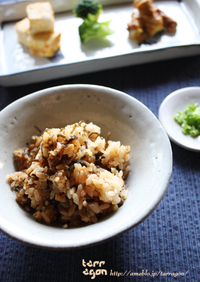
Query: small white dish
126, 118
170, 106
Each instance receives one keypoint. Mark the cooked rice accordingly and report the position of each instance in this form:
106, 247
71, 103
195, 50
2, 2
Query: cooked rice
71, 174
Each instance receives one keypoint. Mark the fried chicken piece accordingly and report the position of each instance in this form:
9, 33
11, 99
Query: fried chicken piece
169, 23
135, 28
145, 7
152, 24
148, 20
145, 21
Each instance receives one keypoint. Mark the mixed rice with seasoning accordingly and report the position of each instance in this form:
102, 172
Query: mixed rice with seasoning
72, 175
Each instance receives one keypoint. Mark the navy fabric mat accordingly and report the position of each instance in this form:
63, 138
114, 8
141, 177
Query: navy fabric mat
166, 246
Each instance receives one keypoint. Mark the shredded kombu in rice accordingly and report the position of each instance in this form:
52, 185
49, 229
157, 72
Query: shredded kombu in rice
71, 175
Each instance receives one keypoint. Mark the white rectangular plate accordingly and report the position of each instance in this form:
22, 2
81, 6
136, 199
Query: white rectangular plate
18, 66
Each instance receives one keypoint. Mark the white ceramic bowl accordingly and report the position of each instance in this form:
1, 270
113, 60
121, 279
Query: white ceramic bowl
126, 118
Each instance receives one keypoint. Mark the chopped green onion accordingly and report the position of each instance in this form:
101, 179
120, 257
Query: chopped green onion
189, 119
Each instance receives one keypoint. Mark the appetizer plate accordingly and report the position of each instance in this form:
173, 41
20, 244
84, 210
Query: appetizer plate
173, 103
18, 66
128, 121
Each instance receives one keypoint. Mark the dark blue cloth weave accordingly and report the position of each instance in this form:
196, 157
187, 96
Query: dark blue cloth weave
167, 243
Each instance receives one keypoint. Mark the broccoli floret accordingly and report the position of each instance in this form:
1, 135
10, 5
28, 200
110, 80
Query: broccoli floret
88, 9
89, 30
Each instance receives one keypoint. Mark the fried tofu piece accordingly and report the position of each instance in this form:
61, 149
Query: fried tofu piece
41, 17
37, 32
147, 20
43, 44
23, 32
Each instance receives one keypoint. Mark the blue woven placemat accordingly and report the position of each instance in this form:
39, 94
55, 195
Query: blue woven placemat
166, 246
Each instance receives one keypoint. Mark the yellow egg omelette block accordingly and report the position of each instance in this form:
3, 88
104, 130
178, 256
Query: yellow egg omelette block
41, 16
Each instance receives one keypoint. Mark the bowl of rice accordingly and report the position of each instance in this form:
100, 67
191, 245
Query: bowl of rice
79, 165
